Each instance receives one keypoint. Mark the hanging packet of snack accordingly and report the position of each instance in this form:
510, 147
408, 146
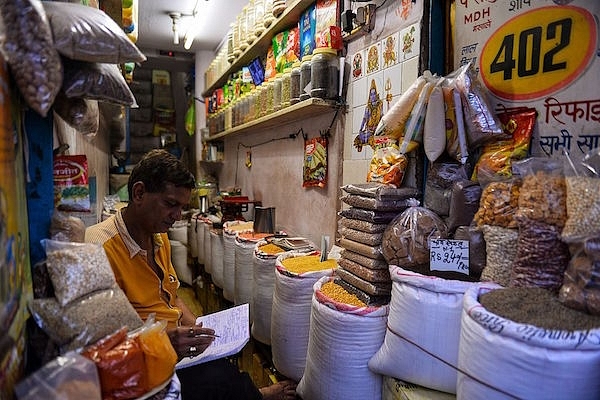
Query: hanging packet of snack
315, 162
498, 156
71, 186
482, 125
393, 122
388, 164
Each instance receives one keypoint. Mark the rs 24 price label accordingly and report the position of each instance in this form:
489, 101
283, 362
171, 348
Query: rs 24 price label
449, 255
538, 52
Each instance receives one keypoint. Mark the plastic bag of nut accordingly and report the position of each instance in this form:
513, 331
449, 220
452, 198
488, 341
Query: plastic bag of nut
543, 192
498, 203
406, 239
581, 281
28, 47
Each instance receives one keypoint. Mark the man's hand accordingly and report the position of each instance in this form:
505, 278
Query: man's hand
189, 341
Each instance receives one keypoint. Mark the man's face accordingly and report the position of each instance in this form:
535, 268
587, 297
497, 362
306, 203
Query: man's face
163, 209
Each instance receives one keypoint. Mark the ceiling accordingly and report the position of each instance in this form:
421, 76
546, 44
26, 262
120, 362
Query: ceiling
155, 28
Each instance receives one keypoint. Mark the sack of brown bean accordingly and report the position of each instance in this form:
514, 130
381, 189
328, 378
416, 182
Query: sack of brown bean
541, 257
438, 186
406, 239
581, 282
543, 191
370, 203
28, 47
381, 191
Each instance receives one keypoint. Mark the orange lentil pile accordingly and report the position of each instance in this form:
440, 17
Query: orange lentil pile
253, 236
301, 264
270, 248
341, 295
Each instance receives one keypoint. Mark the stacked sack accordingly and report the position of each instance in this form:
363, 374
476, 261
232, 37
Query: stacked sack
363, 268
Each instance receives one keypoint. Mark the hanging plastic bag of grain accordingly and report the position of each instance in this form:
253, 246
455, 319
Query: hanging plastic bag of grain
521, 343
344, 335
295, 275
263, 283
420, 306
217, 252
230, 231
244, 266
179, 231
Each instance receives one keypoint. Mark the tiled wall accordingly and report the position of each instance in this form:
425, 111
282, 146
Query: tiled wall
386, 60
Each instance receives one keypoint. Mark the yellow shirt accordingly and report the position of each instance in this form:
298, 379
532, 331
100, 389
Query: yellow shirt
145, 291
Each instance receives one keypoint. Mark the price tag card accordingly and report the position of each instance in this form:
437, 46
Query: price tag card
449, 255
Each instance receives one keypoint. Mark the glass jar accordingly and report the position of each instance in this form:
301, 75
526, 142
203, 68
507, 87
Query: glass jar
250, 115
268, 17
286, 81
250, 19
278, 7
270, 96
230, 45
228, 120
236, 37
243, 29
295, 83
277, 85
324, 73
305, 76
259, 12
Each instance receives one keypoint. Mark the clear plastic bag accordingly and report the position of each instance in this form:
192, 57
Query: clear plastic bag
406, 239
498, 204
67, 377
80, 114
370, 203
581, 281
77, 269
89, 34
96, 81
66, 228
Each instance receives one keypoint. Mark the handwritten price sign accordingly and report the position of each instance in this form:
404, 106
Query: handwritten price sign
449, 255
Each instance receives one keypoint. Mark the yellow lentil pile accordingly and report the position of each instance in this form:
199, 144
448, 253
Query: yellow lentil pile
301, 264
341, 295
270, 248
242, 226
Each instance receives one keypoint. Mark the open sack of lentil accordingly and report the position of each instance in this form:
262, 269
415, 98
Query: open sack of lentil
522, 343
344, 335
295, 275
87, 303
263, 264
414, 350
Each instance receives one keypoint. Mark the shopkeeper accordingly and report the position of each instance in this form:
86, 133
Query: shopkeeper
139, 252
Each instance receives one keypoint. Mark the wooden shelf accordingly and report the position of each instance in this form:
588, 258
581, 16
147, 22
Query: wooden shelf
299, 111
259, 47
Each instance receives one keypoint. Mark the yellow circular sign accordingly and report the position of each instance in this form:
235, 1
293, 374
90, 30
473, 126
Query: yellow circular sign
538, 52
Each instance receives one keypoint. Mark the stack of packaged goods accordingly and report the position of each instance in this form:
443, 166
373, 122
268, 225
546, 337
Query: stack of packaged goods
363, 269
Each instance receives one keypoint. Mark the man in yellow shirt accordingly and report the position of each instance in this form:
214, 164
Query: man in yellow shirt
139, 252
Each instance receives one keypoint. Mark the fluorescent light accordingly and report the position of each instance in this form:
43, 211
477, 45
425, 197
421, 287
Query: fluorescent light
189, 38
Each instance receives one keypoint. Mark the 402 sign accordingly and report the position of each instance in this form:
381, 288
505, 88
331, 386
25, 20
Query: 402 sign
538, 52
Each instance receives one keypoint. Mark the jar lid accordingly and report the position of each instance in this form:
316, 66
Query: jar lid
287, 70
321, 50
307, 57
296, 64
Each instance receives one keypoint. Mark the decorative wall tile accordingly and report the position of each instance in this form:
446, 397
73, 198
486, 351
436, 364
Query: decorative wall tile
389, 50
373, 61
410, 72
358, 65
409, 42
392, 85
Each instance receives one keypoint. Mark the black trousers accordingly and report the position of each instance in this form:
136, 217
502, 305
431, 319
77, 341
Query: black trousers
217, 380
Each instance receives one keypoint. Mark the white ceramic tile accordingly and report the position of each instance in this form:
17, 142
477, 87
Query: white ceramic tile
409, 42
359, 92
355, 171
410, 72
389, 50
358, 65
373, 58
392, 84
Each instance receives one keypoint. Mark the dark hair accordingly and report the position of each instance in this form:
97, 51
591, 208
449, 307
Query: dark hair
157, 168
